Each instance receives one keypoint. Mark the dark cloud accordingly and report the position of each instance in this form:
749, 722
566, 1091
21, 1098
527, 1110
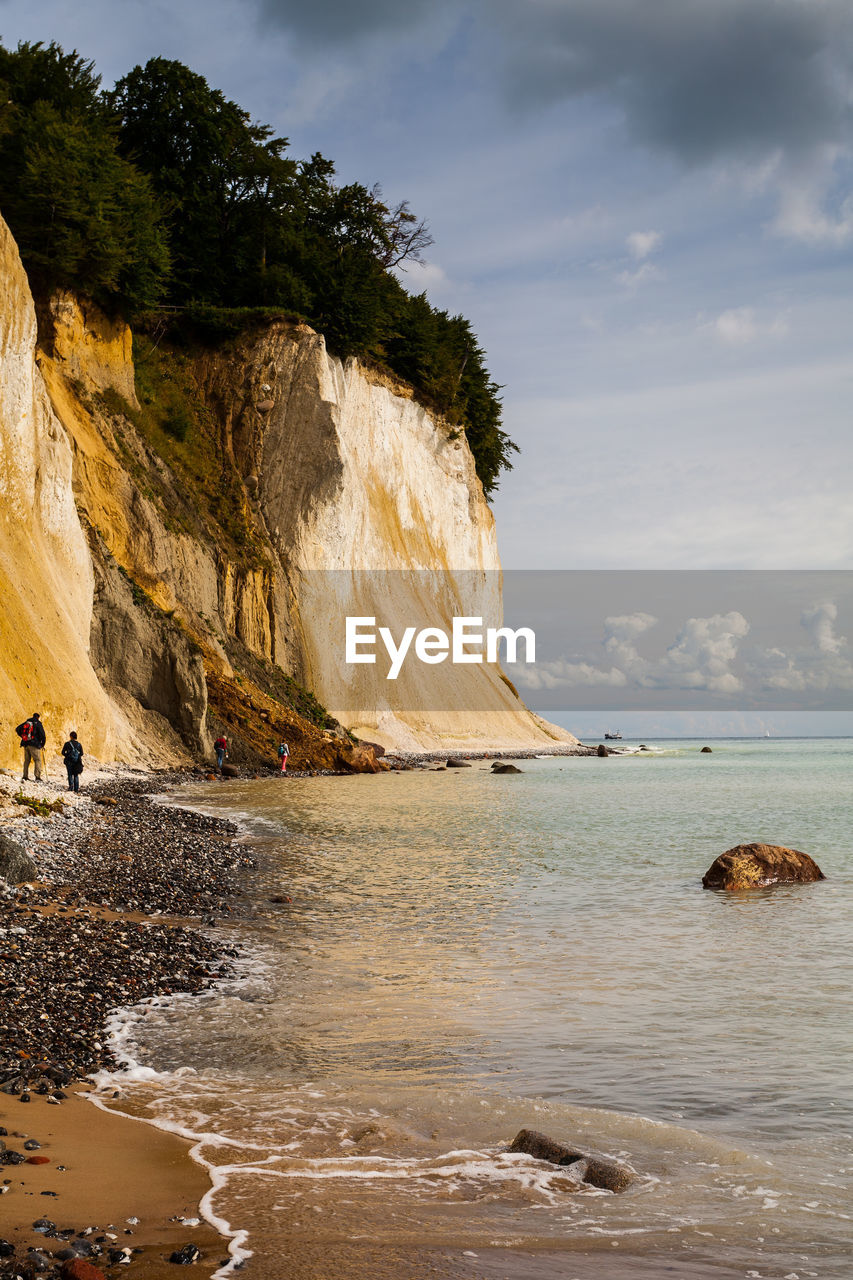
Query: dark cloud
700, 78
334, 22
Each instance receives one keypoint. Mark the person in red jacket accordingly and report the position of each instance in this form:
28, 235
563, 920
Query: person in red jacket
220, 746
32, 735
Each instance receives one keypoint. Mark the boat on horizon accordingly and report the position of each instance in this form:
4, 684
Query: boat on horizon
613, 737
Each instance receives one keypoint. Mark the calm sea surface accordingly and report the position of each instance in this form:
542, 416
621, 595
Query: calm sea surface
466, 955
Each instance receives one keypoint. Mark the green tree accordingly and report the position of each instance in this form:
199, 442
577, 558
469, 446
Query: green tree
222, 177
83, 217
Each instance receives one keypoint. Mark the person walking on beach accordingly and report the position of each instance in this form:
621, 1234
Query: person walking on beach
72, 754
220, 746
283, 753
32, 735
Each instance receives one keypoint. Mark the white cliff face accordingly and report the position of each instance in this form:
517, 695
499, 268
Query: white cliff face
46, 574
46, 579
400, 531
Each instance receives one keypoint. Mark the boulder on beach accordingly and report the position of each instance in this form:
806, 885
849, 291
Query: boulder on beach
16, 865
608, 1175
754, 866
505, 768
602, 751
230, 771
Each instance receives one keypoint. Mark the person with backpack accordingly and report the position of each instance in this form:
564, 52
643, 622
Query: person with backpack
72, 754
32, 735
220, 746
283, 753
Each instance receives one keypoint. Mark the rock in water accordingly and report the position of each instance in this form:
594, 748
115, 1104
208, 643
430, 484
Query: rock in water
505, 768
753, 866
230, 771
705, 751
606, 1174
458, 764
16, 865
602, 751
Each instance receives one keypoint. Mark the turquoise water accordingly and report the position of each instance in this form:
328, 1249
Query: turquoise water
465, 955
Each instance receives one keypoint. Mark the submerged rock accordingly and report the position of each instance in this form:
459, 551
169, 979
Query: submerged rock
605, 1174
505, 768
754, 866
458, 764
705, 751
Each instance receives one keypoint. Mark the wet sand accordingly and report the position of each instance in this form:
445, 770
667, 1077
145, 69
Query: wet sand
104, 1169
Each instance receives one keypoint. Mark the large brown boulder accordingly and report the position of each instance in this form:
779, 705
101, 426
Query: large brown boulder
754, 866
605, 1174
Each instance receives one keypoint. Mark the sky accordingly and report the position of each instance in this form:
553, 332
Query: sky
645, 207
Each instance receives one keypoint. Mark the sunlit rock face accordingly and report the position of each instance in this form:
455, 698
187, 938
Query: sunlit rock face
360, 503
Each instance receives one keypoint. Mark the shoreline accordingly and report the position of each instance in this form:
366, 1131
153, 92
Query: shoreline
114, 920
102, 907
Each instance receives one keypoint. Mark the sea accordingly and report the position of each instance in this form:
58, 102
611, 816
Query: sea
434, 960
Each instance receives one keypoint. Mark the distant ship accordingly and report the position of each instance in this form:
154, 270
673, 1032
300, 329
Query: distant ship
613, 737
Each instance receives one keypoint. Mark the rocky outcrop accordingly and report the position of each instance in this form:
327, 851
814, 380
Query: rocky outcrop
597, 1172
755, 866
16, 865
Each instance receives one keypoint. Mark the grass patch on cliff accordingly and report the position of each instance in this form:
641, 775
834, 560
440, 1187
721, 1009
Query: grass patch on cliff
204, 495
278, 685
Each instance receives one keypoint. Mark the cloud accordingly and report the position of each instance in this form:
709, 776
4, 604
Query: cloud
700, 658
820, 624
740, 326
643, 243
824, 666
644, 274
762, 87
703, 653
337, 22
697, 79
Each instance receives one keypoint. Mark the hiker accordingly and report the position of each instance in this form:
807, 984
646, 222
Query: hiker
31, 733
72, 754
220, 746
283, 753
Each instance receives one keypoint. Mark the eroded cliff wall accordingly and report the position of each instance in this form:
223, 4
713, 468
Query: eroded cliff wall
47, 581
206, 526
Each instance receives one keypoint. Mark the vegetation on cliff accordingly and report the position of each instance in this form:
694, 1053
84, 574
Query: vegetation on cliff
164, 191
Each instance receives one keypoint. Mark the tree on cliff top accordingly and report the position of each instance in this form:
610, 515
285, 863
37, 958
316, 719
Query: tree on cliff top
83, 217
165, 187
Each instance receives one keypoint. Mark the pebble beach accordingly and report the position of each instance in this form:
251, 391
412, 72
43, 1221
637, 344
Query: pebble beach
85, 1192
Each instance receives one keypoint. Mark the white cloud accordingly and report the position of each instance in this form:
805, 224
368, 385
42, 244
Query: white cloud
703, 652
804, 186
740, 326
699, 659
643, 243
563, 674
645, 273
825, 665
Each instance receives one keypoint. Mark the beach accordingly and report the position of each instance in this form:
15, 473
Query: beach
111, 920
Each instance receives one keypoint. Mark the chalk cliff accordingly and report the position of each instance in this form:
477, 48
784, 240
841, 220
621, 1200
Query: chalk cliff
179, 549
